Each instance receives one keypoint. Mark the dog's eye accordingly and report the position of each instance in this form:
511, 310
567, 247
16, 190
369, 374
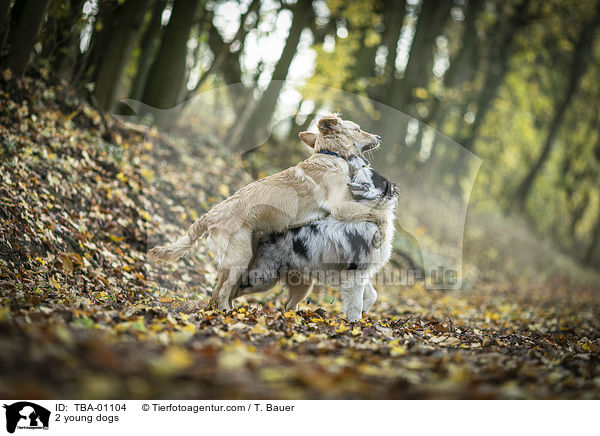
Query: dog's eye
357, 129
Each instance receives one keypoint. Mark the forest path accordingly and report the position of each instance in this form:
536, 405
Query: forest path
82, 315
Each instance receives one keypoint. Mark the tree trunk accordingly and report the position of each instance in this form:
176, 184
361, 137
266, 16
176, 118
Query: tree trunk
581, 56
595, 241
168, 71
231, 70
16, 12
26, 34
461, 67
127, 22
223, 53
431, 22
68, 42
499, 63
89, 65
394, 19
149, 43
4, 22
256, 126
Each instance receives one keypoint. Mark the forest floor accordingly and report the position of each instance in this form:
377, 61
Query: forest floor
82, 314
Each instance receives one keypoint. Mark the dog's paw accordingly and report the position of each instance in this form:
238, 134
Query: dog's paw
294, 277
378, 238
353, 316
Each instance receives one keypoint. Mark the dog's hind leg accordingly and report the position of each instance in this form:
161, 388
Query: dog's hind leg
236, 259
221, 277
297, 293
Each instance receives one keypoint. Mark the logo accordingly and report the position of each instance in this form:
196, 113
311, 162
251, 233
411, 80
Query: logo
26, 415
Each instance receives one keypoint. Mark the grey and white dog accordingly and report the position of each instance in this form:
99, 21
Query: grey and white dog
339, 252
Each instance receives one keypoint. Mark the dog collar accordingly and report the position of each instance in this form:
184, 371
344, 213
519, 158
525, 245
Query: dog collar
331, 153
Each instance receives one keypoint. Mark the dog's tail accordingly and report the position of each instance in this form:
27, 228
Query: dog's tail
172, 252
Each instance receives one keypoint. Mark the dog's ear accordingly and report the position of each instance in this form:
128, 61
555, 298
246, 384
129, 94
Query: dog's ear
330, 124
308, 138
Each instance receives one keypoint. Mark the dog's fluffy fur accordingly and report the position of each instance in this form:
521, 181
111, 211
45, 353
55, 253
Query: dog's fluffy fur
298, 255
311, 190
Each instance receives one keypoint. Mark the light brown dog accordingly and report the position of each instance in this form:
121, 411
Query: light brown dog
311, 190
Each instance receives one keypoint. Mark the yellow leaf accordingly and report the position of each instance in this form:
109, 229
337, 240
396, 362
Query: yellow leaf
116, 238
148, 174
224, 190
235, 356
5, 313
341, 328
420, 93
145, 215
75, 258
398, 350
189, 328
55, 283
67, 265
71, 115
174, 359
299, 337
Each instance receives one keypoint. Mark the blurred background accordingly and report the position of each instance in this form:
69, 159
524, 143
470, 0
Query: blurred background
492, 105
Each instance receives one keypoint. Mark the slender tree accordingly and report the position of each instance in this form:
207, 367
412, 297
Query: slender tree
28, 26
168, 73
224, 52
579, 64
430, 24
393, 21
588, 258
67, 44
500, 55
149, 43
461, 66
256, 124
124, 33
4, 22
88, 66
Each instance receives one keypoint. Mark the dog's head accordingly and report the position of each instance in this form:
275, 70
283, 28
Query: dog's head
368, 186
340, 136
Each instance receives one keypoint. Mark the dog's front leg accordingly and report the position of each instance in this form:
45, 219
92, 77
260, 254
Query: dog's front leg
236, 259
351, 292
369, 297
352, 211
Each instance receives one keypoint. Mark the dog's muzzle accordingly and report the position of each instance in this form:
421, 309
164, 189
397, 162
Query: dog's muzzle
372, 146
391, 190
